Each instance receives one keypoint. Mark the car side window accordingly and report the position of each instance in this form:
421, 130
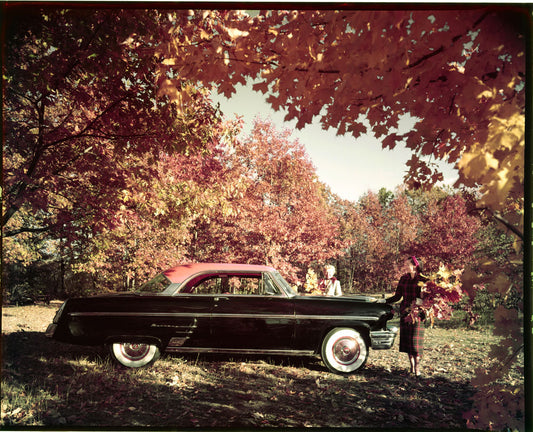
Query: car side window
211, 285
236, 285
269, 287
243, 285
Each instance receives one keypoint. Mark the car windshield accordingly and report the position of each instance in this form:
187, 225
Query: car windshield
283, 283
156, 285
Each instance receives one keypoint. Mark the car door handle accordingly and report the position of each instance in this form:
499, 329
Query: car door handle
221, 298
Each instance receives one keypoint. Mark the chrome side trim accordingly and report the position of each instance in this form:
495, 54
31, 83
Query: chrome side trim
337, 317
222, 315
138, 314
238, 351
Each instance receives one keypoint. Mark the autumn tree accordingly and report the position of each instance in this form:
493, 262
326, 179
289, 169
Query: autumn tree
79, 99
448, 233
377, 235
435, 226
85, 131
153, 226
76, 80
280, 214
459, 73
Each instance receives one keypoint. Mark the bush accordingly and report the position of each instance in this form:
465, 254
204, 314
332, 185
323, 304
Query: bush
485, 303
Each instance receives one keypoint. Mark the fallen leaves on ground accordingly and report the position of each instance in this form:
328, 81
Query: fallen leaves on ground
50, 384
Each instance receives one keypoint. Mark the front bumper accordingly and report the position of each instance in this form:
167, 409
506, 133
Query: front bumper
383, 339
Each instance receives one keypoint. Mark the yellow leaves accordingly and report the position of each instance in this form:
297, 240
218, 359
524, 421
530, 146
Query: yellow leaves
311, 282
273, 31
486, 94
443, 271
169, 62
177, 92
315, 56
126, 195
168, 88
498, 163
234, 33
508, 126
507, 140
478, 164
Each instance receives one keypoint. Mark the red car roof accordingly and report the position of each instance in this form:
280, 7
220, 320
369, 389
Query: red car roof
182, 272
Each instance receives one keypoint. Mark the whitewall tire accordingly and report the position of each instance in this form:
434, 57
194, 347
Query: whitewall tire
134, 355
344, 350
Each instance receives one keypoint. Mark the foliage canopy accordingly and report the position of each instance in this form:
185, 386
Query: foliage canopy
113, 151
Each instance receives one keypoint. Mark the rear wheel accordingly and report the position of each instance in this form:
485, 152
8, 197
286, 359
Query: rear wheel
135, 355
344, 350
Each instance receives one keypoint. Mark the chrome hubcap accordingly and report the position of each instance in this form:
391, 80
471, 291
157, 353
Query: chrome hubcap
134, 351
346, 350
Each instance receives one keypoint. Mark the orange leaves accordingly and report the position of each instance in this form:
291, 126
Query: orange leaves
439, 293
437, 66
421, 174
390, 141
261, 86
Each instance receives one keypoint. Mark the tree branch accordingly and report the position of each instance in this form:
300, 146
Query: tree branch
441, 48
15, 232
508, 224
426, 57
502, 220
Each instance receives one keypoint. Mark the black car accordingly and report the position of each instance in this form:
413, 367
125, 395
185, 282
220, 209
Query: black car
231, 308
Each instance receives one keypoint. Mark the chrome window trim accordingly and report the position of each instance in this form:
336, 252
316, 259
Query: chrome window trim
175, 291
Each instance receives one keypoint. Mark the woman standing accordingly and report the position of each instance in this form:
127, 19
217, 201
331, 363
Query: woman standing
411, 329
330, 286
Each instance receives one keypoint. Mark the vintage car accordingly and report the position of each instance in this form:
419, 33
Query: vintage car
230, 308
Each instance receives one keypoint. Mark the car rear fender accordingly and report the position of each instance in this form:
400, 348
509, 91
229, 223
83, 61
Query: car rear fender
151, 340
360, 326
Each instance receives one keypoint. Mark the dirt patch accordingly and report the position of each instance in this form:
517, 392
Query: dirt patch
33, 318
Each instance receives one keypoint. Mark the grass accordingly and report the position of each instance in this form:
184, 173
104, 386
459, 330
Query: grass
45, 383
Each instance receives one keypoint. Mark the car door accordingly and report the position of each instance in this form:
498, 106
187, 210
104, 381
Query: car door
252, 314
186, 318
182, 320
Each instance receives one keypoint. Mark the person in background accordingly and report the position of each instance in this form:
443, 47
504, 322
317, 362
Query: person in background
411, 330
330, 286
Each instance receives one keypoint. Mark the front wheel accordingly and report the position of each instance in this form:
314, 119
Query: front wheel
344, 350
134, 355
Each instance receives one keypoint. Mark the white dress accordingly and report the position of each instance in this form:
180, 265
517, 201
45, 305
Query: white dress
332, 287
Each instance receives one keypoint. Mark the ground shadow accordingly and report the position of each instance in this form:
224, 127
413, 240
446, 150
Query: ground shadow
215, 390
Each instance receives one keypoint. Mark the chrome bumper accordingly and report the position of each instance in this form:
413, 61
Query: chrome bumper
383, 339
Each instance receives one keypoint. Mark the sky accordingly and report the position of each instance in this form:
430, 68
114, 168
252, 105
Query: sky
350, 167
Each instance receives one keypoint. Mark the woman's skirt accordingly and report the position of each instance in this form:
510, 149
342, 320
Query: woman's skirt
412, 337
